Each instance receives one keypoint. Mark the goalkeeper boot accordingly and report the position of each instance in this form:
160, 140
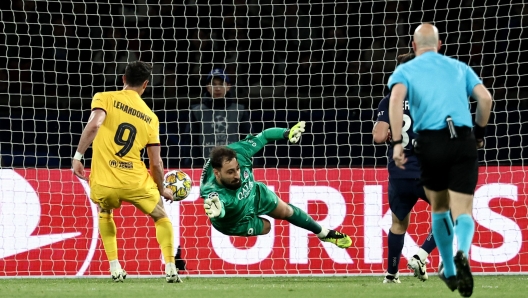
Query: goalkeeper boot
392, 278
463, 275
119, 275
416, 265
451, 282
171, 273
339, 239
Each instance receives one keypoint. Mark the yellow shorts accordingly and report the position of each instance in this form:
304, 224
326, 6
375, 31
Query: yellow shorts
145, 199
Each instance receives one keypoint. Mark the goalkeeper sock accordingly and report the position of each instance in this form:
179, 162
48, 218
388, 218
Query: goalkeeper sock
464, 230
395, 248
108, 231
428, 245
303, 220
443, 231
165, 237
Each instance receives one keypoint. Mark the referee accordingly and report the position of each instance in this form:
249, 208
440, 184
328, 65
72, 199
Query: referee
438, 88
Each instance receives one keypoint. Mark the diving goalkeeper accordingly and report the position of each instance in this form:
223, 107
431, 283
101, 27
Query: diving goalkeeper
234, 201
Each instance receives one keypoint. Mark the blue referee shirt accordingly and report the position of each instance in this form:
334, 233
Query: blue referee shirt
437, 87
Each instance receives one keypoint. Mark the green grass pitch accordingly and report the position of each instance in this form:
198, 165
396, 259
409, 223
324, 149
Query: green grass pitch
257, 287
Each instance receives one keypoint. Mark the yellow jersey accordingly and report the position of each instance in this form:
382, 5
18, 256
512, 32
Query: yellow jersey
129, 126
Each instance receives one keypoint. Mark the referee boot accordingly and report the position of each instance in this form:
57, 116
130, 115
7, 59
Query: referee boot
451, 282
464, 276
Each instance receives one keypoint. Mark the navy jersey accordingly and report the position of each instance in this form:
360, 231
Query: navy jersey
412, 167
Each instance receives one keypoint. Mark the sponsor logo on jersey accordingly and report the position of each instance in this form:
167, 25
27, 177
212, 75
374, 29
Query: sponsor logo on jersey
245, 190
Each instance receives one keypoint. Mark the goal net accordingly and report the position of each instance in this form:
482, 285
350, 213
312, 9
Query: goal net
323, 62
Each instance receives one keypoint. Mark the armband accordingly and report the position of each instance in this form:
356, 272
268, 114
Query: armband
393, 142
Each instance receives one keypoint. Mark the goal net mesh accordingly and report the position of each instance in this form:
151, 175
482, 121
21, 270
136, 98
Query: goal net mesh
323, 62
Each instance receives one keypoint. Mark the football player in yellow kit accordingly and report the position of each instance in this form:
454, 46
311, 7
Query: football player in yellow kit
120, 125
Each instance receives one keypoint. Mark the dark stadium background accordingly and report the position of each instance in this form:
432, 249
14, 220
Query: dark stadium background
48, 80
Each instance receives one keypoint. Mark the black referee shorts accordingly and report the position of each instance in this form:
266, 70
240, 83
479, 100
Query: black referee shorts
448, 163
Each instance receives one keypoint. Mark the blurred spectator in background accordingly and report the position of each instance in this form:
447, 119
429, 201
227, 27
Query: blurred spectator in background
217, 120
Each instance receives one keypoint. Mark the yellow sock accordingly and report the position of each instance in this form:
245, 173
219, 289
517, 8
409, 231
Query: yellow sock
108, 231
165, 236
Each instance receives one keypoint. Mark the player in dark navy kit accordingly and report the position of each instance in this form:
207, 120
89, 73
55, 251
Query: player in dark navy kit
404, 191
437, 89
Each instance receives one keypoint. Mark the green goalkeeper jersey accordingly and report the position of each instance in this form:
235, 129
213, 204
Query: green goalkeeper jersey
242, 204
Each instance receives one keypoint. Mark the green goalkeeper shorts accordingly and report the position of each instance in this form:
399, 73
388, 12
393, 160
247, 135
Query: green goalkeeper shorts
252, 224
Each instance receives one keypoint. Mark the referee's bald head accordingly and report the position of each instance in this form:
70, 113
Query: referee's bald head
426, 39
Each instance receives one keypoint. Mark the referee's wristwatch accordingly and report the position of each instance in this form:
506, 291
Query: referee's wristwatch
393, 142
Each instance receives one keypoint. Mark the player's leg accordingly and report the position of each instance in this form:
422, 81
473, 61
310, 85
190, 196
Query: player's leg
149, 202
462, 183
418, 261
301, 219
106, 199
435, 156
165, 237
401, 202
395, 241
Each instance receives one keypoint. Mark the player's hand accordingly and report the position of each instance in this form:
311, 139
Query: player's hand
78, 169
168, 195
399, 156
213, 206
296, 131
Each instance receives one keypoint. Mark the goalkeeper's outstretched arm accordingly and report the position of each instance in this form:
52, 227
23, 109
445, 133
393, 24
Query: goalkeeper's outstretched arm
251, 145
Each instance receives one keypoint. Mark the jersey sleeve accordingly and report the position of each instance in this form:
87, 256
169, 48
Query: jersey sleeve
154, 139
248, 146
383, 110
398, 77
100, 102
471, 80
253, 144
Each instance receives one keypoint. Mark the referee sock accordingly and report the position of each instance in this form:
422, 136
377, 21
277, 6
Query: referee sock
443, 232
108, 232
395, 248
165, 237
464, 230
303, 220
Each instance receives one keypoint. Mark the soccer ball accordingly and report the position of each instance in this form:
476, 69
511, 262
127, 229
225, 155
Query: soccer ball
179, 182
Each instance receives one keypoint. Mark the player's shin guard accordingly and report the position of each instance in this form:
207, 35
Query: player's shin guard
303, 220
108, 231
464, 230
444, 234
395, 242
165, 237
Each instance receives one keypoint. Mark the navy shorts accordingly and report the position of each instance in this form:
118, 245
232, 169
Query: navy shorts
403, 195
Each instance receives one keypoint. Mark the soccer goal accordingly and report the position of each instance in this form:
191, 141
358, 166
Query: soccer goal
323, 62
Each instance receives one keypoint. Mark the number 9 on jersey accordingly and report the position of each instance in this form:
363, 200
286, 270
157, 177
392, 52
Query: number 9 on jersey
179, 182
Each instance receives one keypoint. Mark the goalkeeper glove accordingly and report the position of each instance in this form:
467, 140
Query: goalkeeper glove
294, 134
213, 206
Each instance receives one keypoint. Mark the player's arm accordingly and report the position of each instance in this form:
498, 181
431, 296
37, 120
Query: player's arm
484, 102
95, 121
398, 94
253, 144
476, 89
380, 131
